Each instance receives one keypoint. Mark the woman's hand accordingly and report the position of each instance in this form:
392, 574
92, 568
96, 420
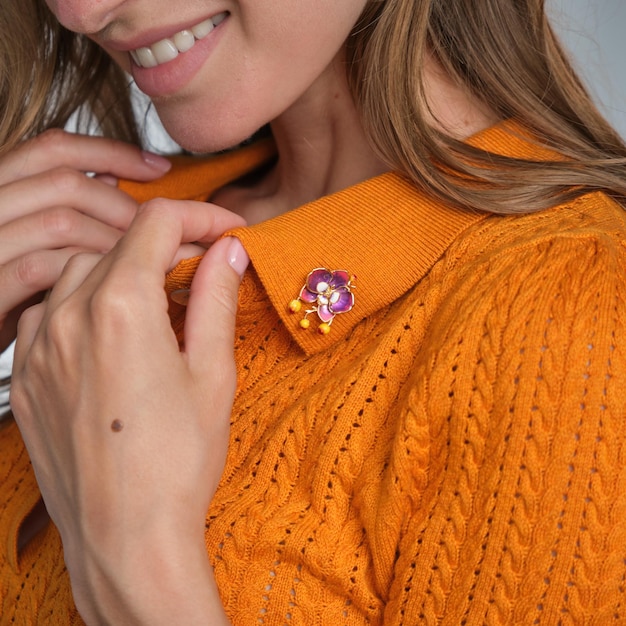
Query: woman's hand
127, 434
50, 209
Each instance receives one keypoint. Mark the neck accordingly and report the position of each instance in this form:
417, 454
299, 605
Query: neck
322, 149
454, 110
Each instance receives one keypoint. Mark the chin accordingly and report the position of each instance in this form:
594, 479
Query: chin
196, 135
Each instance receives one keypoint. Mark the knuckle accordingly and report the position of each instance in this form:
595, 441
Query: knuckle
155, 207
51, 140
111, 308
60, 324
77, 261
56, 345
67, 179
225, 298
59, 221
31, 271
19, 401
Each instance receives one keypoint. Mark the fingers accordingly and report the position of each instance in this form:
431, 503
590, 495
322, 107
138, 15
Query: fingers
223, 220
154, 238
212, 308
134, 269
47, 203
35, 249
66, 187
30, 274
187, 251
86, 154
53, 229
74, 272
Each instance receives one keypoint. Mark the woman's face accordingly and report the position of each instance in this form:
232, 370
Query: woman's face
217, 70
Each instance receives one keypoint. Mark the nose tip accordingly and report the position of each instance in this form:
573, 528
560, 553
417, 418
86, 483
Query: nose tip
83, 16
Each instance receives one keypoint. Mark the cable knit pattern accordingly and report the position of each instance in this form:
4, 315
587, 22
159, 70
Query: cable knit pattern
456, 457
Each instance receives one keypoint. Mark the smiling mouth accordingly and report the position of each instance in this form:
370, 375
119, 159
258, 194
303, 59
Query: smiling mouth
168, 49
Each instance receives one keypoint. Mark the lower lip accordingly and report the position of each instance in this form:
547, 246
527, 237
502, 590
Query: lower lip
168, 78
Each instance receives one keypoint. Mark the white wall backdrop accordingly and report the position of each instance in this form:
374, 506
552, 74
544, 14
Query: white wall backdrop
595, 33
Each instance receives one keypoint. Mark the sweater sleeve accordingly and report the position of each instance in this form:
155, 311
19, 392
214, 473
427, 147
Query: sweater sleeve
516, 415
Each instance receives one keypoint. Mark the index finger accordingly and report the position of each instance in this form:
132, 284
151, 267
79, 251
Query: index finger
160, 226
57, 148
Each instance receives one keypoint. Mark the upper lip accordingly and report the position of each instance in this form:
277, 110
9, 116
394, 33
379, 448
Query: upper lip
153, 35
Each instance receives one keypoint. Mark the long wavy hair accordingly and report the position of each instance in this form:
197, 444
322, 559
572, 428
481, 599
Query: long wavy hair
503, 52
53, 74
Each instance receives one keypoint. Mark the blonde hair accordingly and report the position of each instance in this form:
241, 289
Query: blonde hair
503, 52
52, 74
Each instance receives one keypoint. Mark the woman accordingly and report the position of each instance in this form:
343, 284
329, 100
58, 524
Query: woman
414, 412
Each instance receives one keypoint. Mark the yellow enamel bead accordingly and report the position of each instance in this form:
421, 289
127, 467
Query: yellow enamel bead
295, 306
304, 323
324, 329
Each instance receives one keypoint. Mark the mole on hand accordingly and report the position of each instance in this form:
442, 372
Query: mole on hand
117, 426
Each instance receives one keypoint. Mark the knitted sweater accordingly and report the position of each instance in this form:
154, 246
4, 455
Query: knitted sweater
452, 452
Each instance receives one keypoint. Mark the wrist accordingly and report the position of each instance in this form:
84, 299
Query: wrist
157, 582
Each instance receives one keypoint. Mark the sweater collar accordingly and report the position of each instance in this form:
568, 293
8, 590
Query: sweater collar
384, 232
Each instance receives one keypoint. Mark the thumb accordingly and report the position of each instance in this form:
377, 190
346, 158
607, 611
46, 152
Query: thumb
212, 308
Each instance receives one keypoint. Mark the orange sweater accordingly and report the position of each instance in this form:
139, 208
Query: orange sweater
453, 451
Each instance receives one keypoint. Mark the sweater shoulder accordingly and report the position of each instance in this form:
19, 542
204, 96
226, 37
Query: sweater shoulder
530, 307
563, 262
593, 219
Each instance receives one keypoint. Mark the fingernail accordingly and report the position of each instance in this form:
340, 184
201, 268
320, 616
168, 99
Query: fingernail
238, 258
112, 181
156, 161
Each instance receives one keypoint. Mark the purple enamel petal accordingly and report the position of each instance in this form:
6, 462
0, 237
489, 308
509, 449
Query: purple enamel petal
340, 278
316, 277
307, 296
344, 303
325, 314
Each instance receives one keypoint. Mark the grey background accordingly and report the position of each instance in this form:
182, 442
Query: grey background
594, 31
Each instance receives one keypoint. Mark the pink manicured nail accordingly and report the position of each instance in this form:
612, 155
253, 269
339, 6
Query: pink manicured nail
156, 161
107, 179
237, 257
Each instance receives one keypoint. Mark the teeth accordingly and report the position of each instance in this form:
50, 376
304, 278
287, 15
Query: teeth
167, 50
184, 40
164, 51
145, 57
219, 18
200, 31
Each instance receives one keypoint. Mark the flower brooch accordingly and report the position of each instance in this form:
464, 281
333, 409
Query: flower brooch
329, 293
